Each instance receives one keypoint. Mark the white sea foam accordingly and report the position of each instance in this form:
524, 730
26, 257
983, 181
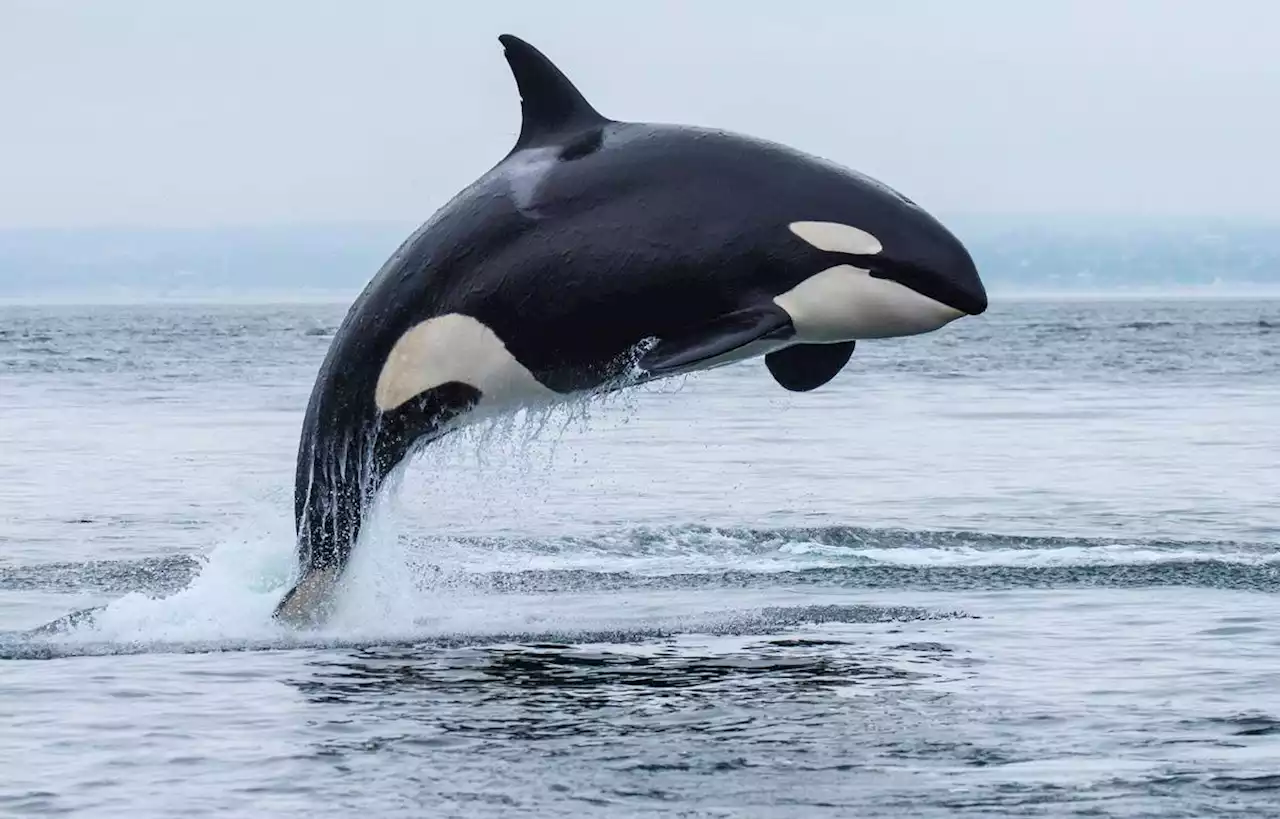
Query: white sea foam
1092, 555
387, 591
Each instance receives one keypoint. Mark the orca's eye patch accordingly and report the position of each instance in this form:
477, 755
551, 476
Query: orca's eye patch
837, 237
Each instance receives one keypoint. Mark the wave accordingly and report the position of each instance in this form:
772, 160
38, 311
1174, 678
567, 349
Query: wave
761, 621
677, 550
450, 589
680, 550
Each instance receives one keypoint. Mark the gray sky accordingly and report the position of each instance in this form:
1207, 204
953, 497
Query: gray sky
144, 112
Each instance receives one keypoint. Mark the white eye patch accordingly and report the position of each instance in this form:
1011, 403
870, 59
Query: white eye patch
837, 238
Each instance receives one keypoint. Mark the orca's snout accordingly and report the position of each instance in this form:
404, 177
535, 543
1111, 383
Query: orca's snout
963, 287
934, 263
970, 293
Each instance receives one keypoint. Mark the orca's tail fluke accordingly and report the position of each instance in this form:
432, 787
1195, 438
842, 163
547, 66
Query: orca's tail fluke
311, 600
335, 486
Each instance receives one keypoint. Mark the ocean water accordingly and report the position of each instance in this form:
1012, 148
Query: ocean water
1024, 566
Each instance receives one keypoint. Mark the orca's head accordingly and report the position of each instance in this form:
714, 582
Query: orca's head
894, 269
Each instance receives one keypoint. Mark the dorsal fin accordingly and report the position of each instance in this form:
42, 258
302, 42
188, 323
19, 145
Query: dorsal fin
550, 105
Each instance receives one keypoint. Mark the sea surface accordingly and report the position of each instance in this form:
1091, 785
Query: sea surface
1028, 565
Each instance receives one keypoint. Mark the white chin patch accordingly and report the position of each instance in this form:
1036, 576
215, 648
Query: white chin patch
458, 348
835, 237
844, 303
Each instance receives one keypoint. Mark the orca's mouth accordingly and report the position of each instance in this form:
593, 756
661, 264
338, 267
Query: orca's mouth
963, 292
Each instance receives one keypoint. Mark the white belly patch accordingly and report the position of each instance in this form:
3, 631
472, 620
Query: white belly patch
460, 348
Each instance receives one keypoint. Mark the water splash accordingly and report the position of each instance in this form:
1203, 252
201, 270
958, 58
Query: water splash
231, 595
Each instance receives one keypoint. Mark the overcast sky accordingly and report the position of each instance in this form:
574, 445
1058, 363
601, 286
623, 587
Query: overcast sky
234, 112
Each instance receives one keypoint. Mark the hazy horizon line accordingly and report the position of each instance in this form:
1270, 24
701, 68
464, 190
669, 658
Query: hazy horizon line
1035, 216
277, 296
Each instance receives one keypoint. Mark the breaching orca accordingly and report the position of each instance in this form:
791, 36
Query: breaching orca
597, 254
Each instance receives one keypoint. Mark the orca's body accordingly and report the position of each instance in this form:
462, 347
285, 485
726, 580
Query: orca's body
593, 238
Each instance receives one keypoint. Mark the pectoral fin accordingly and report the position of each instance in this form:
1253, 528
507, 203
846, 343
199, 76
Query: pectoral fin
805, 367
730, 337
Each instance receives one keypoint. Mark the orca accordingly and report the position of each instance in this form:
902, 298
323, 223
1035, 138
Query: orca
596, 255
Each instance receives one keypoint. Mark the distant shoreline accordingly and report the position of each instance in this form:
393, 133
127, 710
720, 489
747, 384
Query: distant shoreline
345, 298
1021, 258
147, 299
